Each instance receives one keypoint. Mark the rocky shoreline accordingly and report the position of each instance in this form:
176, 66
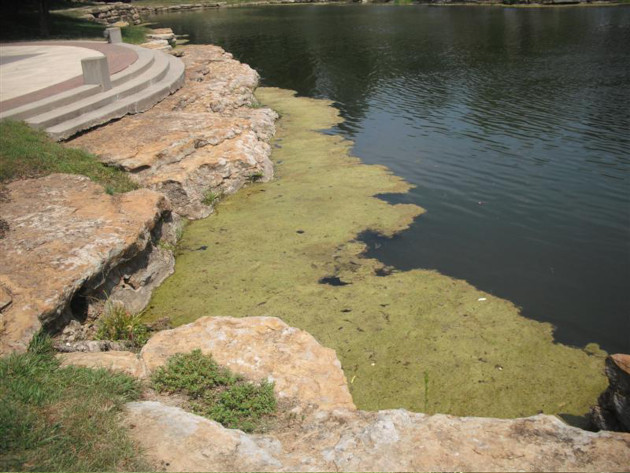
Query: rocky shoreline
325, 432
70, 245
109, 13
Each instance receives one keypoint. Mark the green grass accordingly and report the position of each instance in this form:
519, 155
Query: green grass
26, 153
63, 419
118, 324
135, 34
211, 198
216, 392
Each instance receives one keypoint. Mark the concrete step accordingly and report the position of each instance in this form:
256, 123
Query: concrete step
153, 74
145, 60
141, 100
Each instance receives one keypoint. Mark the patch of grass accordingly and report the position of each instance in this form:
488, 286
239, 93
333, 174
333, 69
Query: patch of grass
211, 198
136, 34
216, 392
63, 419
26, 153
118, 324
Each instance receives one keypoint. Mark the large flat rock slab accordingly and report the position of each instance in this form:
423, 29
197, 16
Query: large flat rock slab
260, 347
392, 440
210, 136
64, 232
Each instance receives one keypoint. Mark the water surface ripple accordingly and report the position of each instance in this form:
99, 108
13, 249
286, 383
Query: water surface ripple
513, 124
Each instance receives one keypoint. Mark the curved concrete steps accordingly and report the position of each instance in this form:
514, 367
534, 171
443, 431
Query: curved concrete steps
151, 78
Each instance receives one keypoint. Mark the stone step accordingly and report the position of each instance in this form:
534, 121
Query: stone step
156, 72
137, 102
144, 61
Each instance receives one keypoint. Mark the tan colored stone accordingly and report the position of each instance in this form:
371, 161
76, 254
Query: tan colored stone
65, 232
260, 347
122, 361
179, 441
206, 137
622, 361
394, 440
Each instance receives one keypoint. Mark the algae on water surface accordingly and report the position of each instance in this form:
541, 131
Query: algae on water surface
270, 247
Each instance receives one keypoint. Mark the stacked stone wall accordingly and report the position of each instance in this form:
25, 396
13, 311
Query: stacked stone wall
113, 13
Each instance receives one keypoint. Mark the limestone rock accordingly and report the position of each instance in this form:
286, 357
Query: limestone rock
393, 440
185, 442
258, 347
613, 409
122, 361
207, 137
66, 236
158, 44
164, 34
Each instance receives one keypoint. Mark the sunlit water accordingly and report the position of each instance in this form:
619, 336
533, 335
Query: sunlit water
513, 124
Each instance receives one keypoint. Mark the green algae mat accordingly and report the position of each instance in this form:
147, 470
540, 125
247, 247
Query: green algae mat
414, 339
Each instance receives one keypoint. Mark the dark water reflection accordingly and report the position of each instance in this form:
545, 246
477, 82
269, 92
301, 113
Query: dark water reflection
514, 124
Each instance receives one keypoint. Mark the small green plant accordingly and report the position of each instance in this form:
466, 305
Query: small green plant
255, 176
255, 104
211, 198
118, 324
192, 374
216, 392
241, 406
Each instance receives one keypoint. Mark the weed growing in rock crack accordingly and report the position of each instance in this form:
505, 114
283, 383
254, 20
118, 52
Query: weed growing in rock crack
179, 229
211, 198
56, 418
255, 176
216, 392
255, 105
118, 324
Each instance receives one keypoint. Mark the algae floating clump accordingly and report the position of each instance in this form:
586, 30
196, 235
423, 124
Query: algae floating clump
398, 336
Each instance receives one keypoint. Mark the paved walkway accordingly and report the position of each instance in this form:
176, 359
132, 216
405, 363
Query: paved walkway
31, 71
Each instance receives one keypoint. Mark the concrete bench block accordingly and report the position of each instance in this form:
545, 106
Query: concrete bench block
96, 71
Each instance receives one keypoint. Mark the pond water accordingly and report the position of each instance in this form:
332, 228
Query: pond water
512, 123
